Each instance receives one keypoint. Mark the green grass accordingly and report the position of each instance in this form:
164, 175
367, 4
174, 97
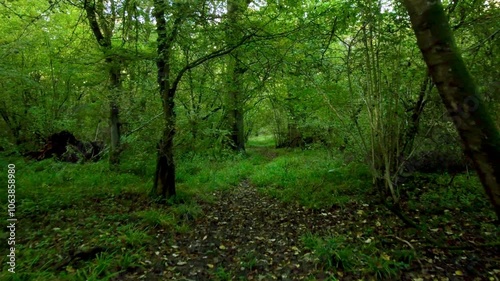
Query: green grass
332, 251
313, 178
221, 274
338, 253
72, 206
261, 141
64, 208
69, 207
437, 194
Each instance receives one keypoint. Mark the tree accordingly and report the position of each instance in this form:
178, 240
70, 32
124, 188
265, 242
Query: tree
235, 69
458, 92
164, 183
102, 27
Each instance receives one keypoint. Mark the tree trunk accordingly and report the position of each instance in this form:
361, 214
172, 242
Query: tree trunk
235, 104
458, 92
103, 33
114, 153
164, 184
115, 87
235, 73
295, 138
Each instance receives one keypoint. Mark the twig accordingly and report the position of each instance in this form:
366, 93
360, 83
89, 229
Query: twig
411, 246
143, 125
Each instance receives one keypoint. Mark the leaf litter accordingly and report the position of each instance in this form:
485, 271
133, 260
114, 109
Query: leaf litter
245, 235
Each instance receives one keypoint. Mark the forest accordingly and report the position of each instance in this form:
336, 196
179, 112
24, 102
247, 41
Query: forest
250, 140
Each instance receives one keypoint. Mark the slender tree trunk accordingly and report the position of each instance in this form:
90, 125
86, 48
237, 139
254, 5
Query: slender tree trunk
408, 138
164, 184
294, 135
115, 150
235, 104
103, 33
458, 91
235, 82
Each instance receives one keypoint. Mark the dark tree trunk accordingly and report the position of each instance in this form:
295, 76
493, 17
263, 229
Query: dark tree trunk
237, 125
408, 138
114, 153
235, 81
115, 87
295, 138
235, 110
164, 184
458, 92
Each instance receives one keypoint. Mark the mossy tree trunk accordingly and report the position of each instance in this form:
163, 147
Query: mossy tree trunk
102, 29
458, 92
235, 70
164, 183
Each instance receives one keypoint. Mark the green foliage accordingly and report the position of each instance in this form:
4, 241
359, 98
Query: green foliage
441, 192
157, 218
221, 274
249, 261
312, 178
345, 74
261, 141
383, 268
335, 252
332, 251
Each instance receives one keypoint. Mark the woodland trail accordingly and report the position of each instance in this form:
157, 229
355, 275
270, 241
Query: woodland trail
245, 235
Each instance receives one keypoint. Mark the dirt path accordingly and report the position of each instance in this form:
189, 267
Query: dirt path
245, 236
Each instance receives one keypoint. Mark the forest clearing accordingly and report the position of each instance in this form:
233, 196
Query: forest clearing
250, 140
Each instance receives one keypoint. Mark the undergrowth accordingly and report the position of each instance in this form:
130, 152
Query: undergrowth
87, 222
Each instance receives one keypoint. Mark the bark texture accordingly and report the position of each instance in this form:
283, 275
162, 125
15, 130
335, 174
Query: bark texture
103, 31
458, 92
236, 69
164, 184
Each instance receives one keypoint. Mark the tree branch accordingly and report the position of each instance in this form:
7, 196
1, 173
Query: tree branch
94, 25
208, 57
